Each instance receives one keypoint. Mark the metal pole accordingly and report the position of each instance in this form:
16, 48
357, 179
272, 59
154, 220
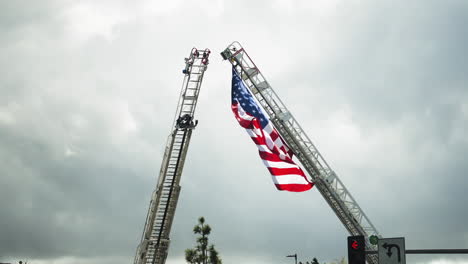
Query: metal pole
295, 257
427, 251
436, 251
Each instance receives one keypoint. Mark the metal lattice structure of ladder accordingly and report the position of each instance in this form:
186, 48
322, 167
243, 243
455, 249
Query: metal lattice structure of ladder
326, 180
154, 244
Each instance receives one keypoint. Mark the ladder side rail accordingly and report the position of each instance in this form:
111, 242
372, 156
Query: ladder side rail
155, 198
175, 187
154, 194
190, 97
350, 213
195, 71
181, 100
349, 217
329, 177
335, 202
276, 109
185, 84
155, 240
274, 102
172, 204
274, 106
201, 69
156, 201
163, 233
318, 170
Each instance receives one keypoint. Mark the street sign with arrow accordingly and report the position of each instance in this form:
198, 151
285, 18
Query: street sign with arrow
392, 250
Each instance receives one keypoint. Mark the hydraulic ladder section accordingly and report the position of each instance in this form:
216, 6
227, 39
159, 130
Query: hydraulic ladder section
326, 180
154, 244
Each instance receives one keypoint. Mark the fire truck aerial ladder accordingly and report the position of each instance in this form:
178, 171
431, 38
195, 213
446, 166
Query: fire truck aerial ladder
326, 180
154, 244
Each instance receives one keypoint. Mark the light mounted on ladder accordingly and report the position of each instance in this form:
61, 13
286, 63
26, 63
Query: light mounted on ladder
188, 64
206, 54
231, 51
195, 52
226, 54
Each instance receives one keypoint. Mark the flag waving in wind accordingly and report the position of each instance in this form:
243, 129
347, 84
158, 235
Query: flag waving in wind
273, 151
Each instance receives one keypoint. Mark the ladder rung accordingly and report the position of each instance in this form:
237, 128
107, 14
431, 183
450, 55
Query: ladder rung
250, 72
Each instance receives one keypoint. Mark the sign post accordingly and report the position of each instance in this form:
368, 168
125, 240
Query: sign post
293, 256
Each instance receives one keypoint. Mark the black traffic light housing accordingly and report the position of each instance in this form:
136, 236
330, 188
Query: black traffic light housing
356, 250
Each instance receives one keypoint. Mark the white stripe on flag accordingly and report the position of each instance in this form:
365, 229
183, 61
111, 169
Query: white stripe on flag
263, 148
279, 164
289, 179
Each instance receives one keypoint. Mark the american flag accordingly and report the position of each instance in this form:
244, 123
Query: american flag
275, 154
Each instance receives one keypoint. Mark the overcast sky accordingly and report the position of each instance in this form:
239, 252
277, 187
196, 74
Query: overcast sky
88, 92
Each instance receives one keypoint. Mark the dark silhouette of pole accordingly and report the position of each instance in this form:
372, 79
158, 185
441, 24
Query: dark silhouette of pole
293, 256
428, 251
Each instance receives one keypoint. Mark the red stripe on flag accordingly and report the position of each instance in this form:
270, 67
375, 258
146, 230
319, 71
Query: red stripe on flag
270, 156
285, 171
258, 140
274, 157
274, 135
294, 187
243, 122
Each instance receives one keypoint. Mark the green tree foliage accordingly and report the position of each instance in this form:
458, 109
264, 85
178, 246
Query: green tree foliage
202, 253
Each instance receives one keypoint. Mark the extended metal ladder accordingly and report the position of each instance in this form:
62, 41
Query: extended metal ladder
154, 244
326, 180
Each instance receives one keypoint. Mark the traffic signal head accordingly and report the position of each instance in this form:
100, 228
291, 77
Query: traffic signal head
356, 250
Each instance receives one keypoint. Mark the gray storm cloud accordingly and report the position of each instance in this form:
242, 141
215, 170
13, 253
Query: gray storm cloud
89, 90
